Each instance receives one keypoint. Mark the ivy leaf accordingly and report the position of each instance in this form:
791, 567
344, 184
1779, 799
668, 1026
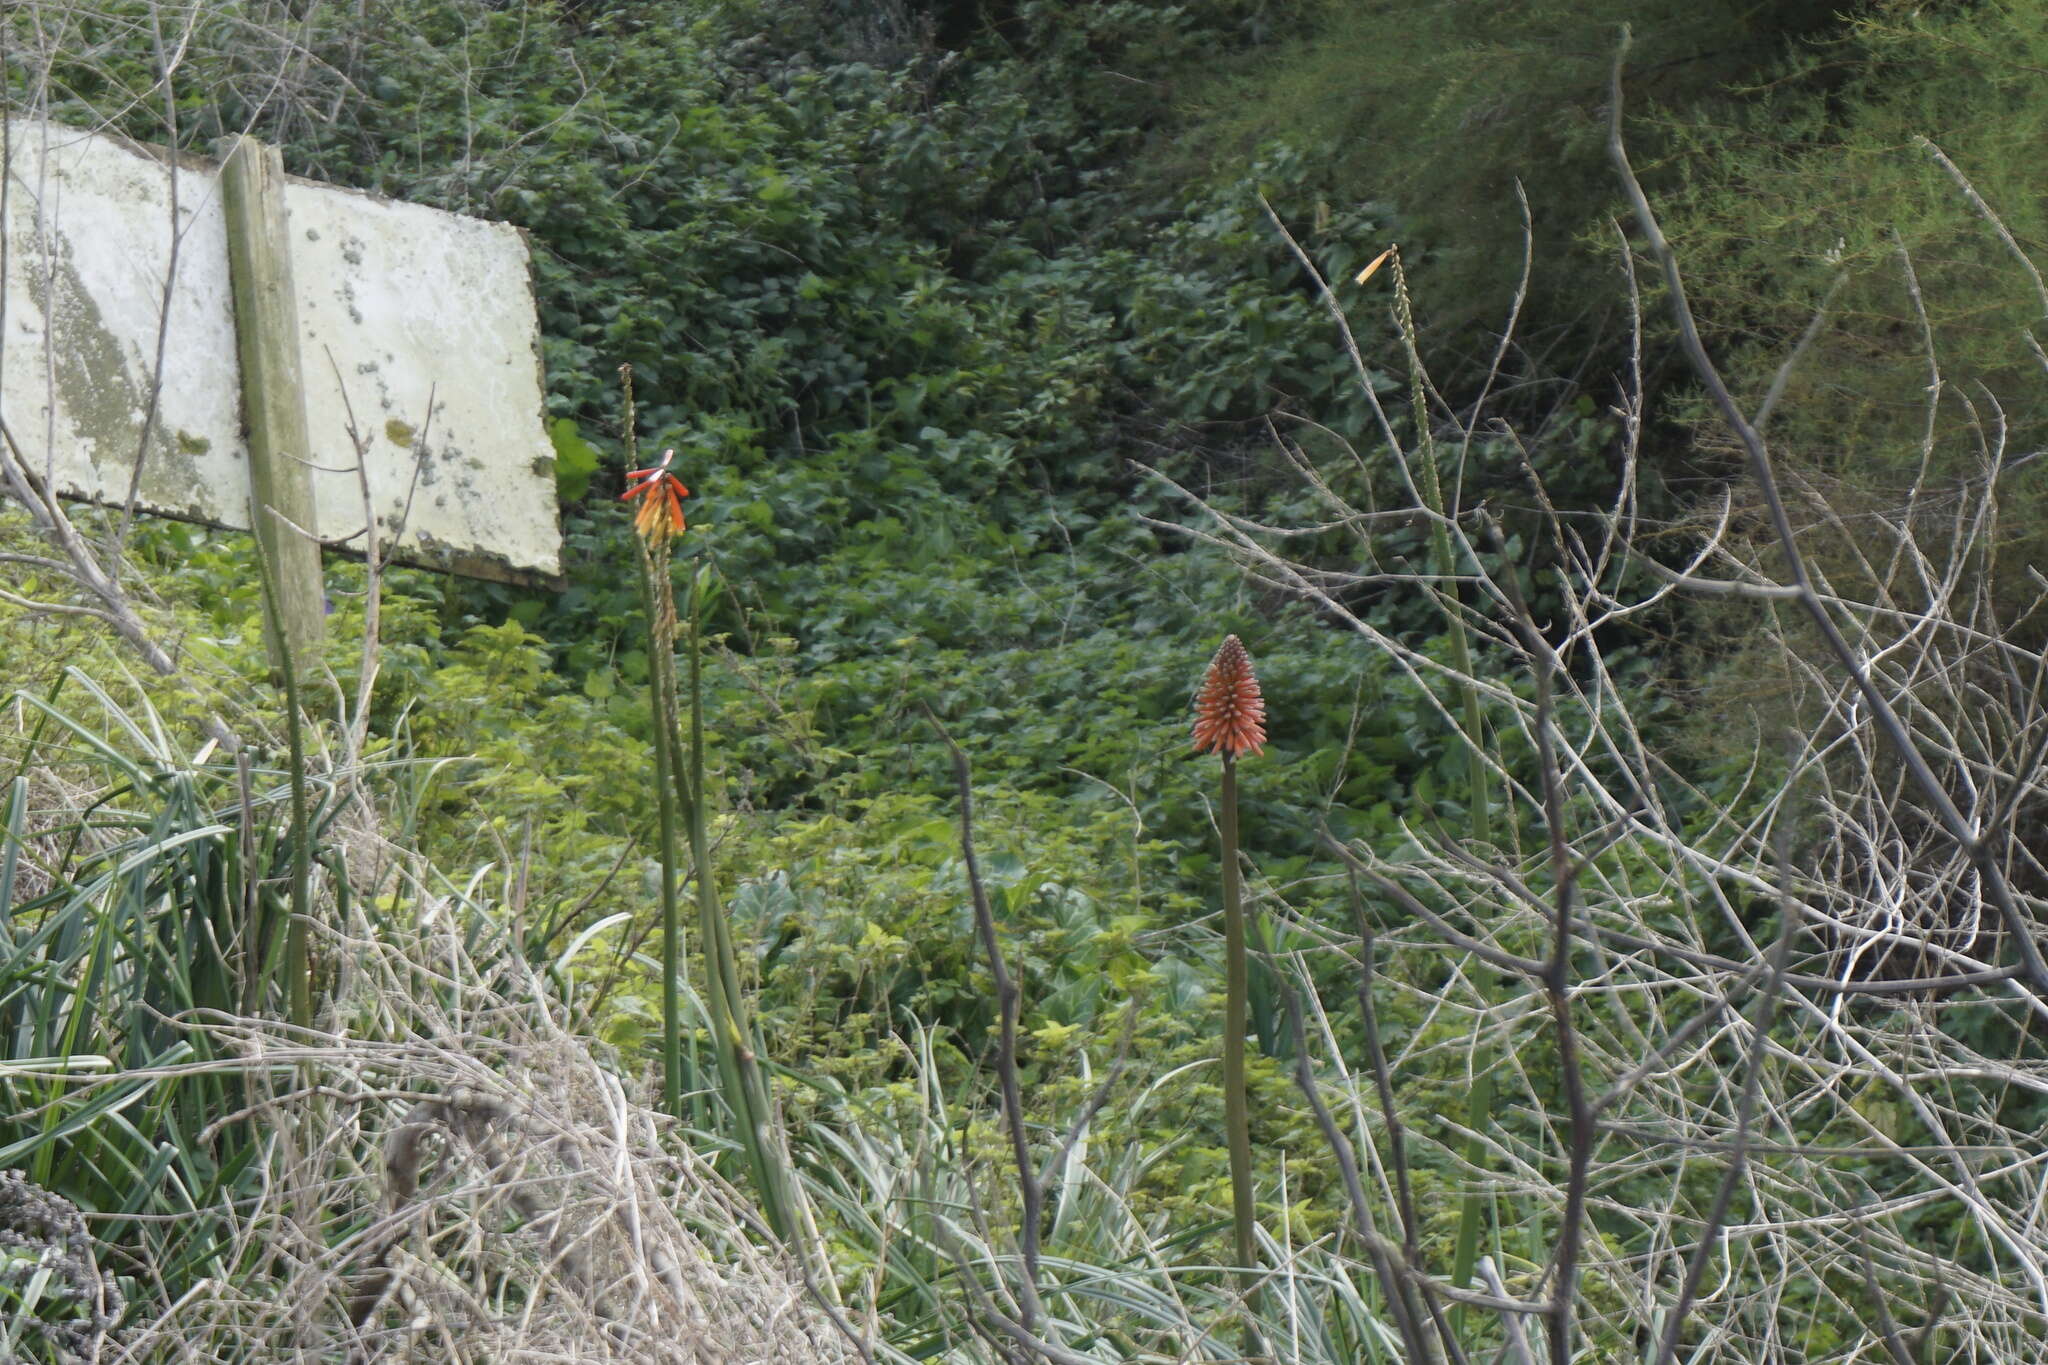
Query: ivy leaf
575, 460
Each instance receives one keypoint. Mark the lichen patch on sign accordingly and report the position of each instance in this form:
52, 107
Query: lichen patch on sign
89, 228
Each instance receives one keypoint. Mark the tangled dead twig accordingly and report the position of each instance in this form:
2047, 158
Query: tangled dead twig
1766, 1025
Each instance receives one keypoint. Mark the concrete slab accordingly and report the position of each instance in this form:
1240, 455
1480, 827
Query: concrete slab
396, 302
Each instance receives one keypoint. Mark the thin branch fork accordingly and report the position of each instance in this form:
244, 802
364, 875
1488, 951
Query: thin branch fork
82, 564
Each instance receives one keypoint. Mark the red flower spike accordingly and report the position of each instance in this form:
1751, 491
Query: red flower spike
661, 497
1230, 715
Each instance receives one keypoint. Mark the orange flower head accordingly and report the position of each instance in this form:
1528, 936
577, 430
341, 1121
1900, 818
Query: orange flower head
661, 497
1230, 715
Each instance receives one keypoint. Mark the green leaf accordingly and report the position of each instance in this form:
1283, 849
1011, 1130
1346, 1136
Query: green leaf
575, 460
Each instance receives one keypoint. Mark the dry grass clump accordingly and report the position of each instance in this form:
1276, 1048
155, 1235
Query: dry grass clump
452, 1175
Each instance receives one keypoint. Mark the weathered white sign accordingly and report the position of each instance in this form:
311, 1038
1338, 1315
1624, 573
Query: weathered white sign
395, 302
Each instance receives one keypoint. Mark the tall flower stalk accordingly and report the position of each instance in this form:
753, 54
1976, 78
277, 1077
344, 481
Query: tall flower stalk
1444, 561
680, 791
1230, 720
657, 523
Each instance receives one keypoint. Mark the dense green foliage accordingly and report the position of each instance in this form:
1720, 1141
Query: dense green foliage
1829, 174
1447, 109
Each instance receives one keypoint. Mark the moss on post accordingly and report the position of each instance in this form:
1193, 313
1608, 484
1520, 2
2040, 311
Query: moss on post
273, 391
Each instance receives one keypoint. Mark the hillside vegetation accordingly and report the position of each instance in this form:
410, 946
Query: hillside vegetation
1638, 872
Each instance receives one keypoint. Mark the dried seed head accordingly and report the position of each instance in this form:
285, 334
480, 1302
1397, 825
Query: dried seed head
1230, 716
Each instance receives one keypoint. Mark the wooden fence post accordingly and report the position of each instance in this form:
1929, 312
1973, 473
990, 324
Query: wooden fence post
273, 392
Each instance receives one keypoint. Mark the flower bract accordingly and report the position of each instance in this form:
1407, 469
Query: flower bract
661, 497
1230, 715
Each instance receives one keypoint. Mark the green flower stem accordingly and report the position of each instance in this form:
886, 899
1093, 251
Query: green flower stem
671, 913
735, 1042
1236, 1109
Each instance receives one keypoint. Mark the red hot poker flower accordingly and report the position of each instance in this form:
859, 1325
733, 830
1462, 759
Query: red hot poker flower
661, 497
1230, 715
